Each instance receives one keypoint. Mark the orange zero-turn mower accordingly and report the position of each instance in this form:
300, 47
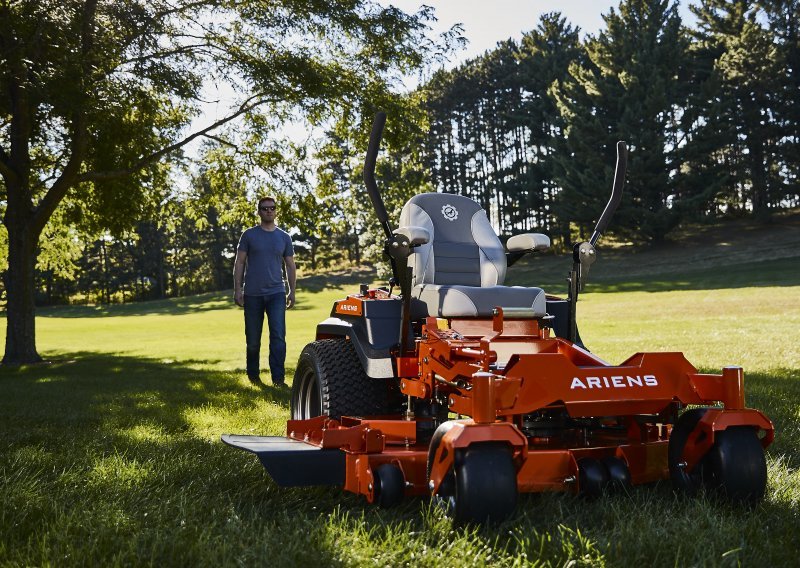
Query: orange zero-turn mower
473, 392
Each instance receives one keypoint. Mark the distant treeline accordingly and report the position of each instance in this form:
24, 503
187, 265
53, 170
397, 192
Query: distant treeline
711, 114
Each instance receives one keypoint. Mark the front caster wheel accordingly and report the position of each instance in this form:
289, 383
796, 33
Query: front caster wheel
736, 466
485, 484
389, 485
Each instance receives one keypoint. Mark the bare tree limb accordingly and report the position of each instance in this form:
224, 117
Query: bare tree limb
191, 48
247, 106
222, 141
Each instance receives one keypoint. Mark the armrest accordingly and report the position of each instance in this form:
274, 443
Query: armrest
416, 235
528, 242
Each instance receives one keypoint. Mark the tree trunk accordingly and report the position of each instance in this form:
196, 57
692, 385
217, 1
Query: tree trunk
21, 315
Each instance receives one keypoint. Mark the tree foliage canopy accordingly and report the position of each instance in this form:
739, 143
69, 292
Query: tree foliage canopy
94, 92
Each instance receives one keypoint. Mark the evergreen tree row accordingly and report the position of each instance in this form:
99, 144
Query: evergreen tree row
711, 114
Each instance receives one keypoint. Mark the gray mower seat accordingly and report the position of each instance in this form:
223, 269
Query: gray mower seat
459, 272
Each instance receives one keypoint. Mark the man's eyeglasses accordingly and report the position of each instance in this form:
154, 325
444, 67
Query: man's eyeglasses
267, 208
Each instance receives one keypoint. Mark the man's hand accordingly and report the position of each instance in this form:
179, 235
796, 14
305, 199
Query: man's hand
290, 300
238, 297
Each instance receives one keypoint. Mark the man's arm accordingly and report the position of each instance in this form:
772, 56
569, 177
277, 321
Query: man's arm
238, 277
291, 276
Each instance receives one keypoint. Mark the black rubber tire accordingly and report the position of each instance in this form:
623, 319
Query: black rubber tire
330, 380
593, 477
736, 467
683, 481
619, 476
390, 485
485, 484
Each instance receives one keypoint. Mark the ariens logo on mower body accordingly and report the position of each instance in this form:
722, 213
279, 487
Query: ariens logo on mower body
614, 382
350, 307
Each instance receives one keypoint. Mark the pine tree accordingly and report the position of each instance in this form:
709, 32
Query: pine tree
746, 75
545, 56
627, 89
784, 25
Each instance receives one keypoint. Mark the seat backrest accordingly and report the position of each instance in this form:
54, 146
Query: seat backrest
463, 247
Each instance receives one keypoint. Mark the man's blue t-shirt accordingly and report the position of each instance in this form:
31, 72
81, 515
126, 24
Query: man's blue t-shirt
265, 251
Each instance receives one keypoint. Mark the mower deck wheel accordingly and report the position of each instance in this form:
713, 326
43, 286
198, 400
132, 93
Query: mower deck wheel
736, 466
389, 485
593, 477
619, 476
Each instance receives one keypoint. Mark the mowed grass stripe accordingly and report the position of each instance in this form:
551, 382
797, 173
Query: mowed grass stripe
111, 456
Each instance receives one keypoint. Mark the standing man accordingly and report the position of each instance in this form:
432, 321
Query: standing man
258, 286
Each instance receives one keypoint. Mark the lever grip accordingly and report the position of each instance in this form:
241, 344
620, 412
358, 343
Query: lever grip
616, 192
369, 172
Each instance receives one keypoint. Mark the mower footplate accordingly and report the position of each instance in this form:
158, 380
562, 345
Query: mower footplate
292, 463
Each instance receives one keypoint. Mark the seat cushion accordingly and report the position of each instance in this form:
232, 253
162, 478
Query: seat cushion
453, 301
463, 249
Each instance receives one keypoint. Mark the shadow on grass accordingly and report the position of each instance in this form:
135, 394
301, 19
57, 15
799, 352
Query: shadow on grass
118, 391
110, 459
336, 279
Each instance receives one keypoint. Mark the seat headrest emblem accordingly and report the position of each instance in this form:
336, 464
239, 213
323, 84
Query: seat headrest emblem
449, 212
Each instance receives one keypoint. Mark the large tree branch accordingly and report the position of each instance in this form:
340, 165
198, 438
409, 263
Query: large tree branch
181, 50
181, 8
66, 180
110, 175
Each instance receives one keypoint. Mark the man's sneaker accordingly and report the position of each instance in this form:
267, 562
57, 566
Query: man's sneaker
279, 384
254, 379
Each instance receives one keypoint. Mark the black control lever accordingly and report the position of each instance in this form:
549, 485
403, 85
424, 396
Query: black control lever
616, 192
584, 254
369, 173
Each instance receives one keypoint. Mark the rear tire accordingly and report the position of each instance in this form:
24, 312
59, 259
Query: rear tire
330, 380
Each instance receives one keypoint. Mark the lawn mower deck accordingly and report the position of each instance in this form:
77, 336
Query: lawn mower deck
573, 422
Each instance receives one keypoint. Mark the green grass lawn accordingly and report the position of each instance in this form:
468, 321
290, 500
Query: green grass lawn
110, 454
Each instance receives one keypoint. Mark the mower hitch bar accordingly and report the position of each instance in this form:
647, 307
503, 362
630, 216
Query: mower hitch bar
471, 410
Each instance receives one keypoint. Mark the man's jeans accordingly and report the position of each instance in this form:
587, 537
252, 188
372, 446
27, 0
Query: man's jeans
274, 306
